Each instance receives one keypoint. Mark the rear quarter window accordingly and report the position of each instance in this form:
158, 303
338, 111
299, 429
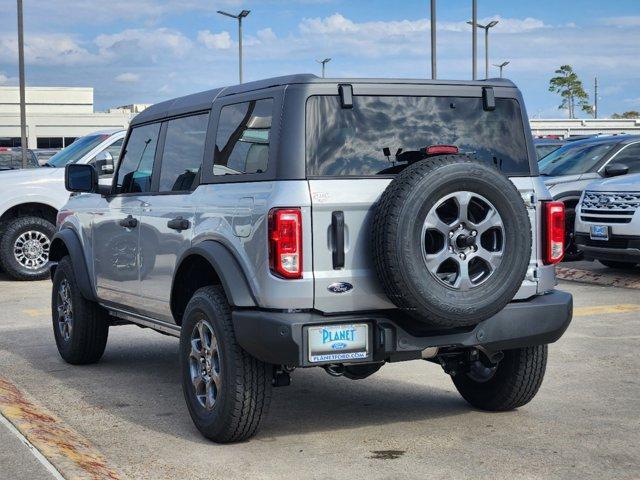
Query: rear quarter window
353, 142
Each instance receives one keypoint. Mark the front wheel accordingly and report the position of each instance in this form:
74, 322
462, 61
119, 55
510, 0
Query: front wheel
24, 247
227, 390
80, 327
511, 384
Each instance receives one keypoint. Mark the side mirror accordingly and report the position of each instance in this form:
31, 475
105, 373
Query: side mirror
80, 178
616, 169
103, 163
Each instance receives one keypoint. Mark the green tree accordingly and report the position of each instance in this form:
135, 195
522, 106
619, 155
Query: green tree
628, 114
567, 84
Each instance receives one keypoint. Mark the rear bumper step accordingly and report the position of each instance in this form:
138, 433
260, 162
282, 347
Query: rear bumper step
279, 338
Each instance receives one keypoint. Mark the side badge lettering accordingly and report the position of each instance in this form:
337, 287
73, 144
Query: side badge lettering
340, 287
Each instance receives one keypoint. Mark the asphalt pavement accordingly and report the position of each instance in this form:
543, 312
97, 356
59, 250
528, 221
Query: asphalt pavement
407, 421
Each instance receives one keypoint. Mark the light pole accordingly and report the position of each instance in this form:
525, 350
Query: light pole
324, 63
501, 66
474, 39
239, 17
23, 107
434, 73
486, 28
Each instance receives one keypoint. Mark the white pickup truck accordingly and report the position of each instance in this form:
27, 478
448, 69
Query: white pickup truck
30, 200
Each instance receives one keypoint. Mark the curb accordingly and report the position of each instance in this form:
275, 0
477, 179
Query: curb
593, 278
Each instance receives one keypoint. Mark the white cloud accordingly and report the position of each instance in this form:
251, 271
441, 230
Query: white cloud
3, 79
142, 43
127, 77
215, 41
46, 49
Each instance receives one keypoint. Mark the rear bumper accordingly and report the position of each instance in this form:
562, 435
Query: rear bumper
279, 338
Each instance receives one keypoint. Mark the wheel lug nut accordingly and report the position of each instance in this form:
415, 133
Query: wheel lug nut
474, 233
462, 256
451, 234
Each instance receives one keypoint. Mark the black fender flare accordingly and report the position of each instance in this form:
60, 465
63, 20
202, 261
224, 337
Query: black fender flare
66, 240
232, 277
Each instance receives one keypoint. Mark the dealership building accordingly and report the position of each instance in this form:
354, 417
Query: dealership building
56, 116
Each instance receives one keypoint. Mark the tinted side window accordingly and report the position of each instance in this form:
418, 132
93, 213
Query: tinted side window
183, 153
242, 142
630, 156
343, 142
136, 167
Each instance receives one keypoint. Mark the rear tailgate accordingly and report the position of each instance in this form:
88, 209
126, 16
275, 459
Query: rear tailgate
353, 198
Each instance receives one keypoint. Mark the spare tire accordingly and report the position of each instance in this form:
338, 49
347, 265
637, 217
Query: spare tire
451, 241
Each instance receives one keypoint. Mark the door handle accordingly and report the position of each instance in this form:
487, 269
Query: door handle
128, 222
337, 229
179, 224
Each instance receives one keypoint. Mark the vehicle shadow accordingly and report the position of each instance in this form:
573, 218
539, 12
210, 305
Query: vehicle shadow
138, 380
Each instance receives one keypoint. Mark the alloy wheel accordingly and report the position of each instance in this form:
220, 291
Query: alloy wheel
463, 240
204, 364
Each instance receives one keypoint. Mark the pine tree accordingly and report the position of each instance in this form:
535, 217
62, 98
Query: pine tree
567, 84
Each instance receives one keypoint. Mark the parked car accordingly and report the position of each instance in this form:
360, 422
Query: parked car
11, 159
303, 222
544, 146
568, 170
31, 199
44, 154
608, 222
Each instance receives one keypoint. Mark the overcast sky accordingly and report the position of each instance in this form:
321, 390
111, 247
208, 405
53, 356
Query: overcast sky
144, 51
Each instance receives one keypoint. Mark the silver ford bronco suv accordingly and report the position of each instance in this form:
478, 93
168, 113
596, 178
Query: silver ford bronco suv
302, 222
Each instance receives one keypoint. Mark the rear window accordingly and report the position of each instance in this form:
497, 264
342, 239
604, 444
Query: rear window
355, 142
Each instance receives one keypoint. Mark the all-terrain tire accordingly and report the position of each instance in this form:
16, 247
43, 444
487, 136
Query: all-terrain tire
243, 399
10, 231
618, 265
515, 382
89, 322
397, 238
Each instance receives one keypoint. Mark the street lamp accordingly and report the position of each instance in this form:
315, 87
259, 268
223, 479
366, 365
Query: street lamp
23, 107
324, 63
239, 17
486, 28
501, 66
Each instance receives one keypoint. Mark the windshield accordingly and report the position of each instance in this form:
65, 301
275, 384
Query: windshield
76, 150
380, 135
574, 158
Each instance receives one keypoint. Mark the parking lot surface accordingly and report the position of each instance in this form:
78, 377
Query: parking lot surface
407, 421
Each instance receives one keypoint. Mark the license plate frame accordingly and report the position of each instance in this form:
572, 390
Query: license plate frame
599, 232
338, 343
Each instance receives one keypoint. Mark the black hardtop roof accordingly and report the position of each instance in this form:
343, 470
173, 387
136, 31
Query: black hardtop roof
203, 100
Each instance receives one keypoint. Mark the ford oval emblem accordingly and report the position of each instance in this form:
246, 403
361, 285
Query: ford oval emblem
339, 346
340, 287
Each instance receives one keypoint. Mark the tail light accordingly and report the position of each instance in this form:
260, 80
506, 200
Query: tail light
554, 228
285, 242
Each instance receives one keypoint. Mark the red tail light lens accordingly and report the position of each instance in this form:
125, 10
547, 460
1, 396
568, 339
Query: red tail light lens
285, 242
442, 150
554, 232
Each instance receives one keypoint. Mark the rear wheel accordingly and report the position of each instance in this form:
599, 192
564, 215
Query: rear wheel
509, 385
619, 265
80, 327
24, 247
227, 390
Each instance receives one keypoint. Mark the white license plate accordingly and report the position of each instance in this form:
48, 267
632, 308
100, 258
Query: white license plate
338, 343
599, 232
